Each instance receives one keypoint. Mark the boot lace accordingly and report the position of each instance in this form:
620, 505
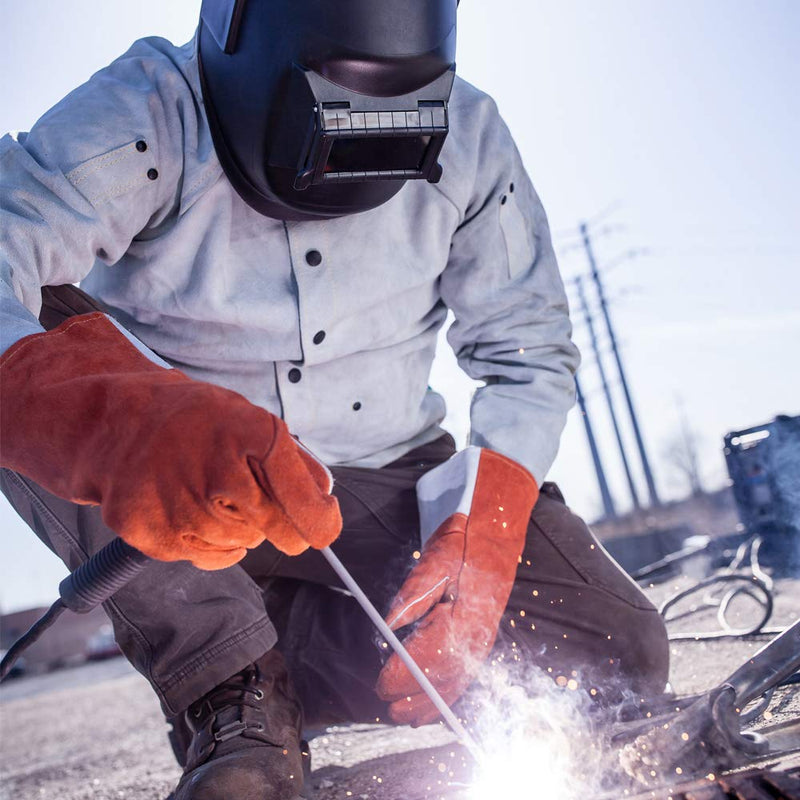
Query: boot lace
226, 703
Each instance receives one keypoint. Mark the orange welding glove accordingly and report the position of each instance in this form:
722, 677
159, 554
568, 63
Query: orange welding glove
182, 469
459, 589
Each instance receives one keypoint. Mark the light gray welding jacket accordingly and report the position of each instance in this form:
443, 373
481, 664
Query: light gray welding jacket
341, 349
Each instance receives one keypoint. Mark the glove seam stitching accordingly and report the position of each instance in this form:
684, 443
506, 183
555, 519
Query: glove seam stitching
71, 324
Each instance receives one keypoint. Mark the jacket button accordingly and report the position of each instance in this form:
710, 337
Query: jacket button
313, 258
295, 375
141, 145
152, 174
356, 406
319, 337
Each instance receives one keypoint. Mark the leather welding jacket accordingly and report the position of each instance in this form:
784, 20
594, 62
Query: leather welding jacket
330, 324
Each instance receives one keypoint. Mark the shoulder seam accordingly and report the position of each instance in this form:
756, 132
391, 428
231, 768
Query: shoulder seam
450, 200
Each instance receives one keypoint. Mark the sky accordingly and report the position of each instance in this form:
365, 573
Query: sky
672, 127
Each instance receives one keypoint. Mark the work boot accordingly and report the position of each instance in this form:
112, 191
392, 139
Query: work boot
246, 742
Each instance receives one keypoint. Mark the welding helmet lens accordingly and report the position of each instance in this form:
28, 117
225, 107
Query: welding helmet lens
375, 155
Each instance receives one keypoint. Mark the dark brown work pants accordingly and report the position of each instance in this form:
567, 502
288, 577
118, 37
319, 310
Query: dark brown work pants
571, 609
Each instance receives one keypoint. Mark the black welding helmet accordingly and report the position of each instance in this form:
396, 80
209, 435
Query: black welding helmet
321, 108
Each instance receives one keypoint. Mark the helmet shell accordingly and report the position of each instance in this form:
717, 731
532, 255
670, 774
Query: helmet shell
270, 68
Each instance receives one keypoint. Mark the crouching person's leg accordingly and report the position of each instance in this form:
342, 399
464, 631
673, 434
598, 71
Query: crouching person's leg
574, 613
203, 641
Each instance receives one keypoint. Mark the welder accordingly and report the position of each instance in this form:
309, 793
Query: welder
269, 225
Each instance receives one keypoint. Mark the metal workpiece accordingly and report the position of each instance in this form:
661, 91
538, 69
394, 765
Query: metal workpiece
707, 732
771, 665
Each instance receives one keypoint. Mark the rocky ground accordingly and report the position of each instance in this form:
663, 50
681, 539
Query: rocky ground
96, 732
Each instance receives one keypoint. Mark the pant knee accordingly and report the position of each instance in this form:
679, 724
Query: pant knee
644, 659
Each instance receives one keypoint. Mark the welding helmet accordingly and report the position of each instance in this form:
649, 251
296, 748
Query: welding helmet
321, 108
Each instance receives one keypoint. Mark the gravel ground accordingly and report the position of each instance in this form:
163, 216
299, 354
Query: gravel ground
96, 731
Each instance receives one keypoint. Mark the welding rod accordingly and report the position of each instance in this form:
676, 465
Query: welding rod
422, 679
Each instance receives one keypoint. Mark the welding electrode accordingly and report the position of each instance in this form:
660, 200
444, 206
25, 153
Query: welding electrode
422, 679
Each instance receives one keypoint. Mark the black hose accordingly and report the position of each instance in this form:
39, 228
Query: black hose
27, 639
91, 584
105, 573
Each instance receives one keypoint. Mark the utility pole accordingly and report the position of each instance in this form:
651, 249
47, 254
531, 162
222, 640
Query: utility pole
648, 473
587, 316
605, 494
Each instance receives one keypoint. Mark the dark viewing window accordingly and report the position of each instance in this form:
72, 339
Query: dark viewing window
370, 154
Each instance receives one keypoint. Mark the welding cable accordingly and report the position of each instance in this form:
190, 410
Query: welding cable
751, 547
27, 639
755, 584
767, 603
91, 584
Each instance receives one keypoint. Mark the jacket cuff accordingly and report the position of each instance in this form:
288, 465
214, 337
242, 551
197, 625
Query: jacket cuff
450, 488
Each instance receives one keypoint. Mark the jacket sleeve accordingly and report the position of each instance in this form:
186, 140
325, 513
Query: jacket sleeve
512, 328
94, 171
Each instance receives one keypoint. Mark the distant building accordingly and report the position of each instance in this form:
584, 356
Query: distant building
66, 643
